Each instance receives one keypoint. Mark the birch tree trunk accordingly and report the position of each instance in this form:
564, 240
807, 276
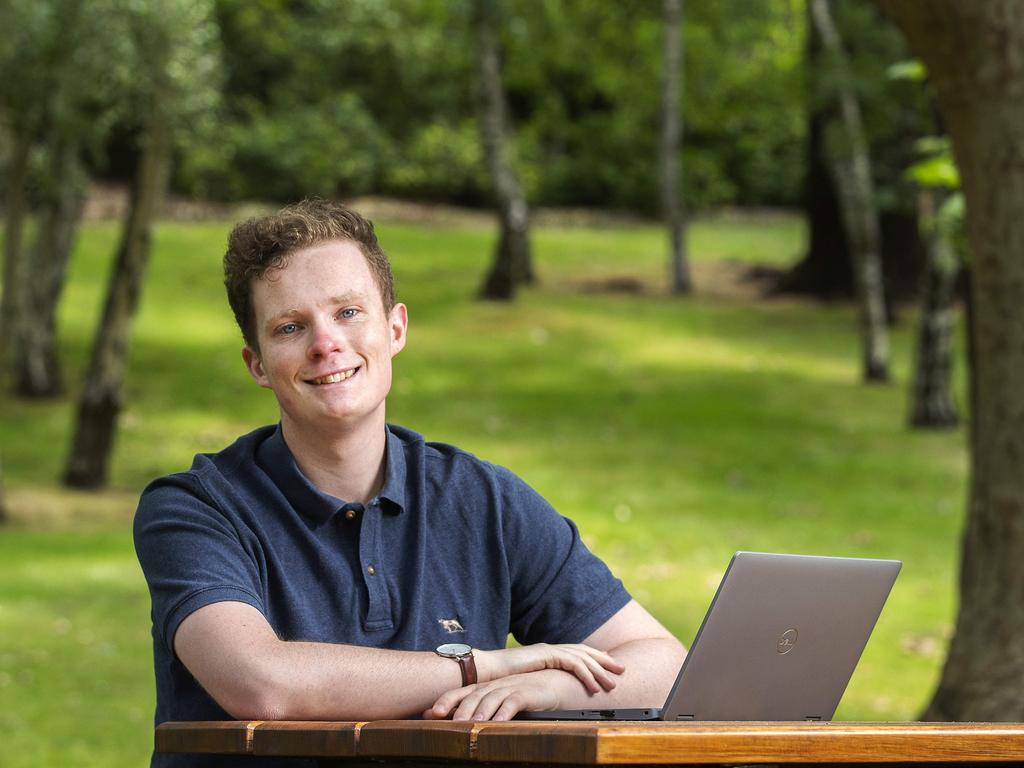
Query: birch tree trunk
512, 265
973, 53
101, 398
670, 145
4, 512
847, 151
12, 299
932, 402
36, 362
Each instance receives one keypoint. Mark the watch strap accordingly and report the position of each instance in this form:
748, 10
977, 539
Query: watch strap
468, 666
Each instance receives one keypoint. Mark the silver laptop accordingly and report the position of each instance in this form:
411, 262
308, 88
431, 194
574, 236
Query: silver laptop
779, 642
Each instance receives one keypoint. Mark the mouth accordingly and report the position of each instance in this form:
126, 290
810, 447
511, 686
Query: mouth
333, 378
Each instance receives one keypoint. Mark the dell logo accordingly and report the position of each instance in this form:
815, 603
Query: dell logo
787, 641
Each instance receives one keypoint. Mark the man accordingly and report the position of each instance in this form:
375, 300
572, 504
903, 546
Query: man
313, 569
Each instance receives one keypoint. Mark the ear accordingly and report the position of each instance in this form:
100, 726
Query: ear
255, 366
398, 320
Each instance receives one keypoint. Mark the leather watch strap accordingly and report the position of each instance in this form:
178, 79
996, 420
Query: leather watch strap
468, 666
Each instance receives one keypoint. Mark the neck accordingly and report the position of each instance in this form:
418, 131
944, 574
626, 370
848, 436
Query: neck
349, 466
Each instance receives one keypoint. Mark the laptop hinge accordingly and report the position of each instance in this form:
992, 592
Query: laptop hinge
814, 718
684, 717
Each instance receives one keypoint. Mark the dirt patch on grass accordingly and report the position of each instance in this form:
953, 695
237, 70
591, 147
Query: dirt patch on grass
41, 508
726, 280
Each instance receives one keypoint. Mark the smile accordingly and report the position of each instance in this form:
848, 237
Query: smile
333, 378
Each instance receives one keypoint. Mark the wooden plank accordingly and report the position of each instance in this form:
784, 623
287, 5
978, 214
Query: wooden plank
537, 742
212, 737
434, 739
309, 739
675, 743
607, 743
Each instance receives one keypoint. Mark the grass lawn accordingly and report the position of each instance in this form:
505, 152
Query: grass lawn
673, 431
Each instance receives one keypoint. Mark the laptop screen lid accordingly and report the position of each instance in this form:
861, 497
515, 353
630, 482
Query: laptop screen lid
780, 641
781, 638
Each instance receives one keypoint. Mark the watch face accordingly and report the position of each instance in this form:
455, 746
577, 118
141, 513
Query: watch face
454, 650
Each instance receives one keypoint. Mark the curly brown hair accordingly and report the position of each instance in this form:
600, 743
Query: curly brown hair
264, 243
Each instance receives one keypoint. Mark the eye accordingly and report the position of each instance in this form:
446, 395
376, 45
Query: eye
288, 329
349, 312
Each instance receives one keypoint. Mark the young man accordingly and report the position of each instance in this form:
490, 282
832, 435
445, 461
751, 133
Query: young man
321, 568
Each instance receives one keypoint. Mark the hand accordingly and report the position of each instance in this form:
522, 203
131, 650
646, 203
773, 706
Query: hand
499, 699
594, 668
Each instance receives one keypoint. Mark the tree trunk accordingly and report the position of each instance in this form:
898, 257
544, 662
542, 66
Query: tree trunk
932, 394
669, 148
512, 264
847, 151
100, 401
972, 53
825, 271
36, 363
13, 286
4, 513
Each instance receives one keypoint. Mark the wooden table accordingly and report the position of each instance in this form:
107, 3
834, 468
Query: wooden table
605, 743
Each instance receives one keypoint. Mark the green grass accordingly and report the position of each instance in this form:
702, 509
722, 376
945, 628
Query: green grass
674, 432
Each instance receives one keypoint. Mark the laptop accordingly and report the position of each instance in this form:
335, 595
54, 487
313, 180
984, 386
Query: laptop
780, 641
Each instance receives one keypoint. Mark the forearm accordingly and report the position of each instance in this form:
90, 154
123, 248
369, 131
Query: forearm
320, 681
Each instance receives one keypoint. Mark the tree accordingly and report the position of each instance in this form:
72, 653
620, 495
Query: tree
24, 56
669, 147
74, 109
941, 215
512, 265
847, 151
896, 113
172, 50
4, 512
971, 51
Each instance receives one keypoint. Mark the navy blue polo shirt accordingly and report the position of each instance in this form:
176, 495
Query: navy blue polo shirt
453, 549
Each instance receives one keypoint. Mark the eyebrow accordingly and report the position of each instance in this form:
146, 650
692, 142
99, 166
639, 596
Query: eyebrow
341, 298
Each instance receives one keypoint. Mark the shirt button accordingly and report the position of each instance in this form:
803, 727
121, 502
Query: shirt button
371, 570
350, 514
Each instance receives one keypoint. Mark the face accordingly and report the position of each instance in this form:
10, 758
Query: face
326, 342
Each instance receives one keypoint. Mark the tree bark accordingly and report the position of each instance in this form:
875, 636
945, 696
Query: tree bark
825, 271
101, 398
932, 402
512, 265
670, 146
847, 151
12, 299
972, 52
4, 512
36, 363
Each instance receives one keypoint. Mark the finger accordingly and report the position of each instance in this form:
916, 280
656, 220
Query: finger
494, 700
577, 665
509, 708
603, 658
443, 707
468, 706
602, 674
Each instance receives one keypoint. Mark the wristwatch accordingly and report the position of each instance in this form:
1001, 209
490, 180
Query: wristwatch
463, 654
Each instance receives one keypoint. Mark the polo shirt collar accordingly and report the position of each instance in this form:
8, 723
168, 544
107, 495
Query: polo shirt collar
276, 459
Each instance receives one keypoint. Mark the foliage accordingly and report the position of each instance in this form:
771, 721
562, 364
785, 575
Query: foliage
377, 95
674, 433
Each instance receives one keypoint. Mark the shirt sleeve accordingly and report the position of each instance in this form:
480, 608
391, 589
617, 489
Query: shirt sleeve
561, 591
191, 554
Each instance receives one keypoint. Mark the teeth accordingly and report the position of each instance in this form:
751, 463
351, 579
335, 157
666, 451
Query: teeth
334, 378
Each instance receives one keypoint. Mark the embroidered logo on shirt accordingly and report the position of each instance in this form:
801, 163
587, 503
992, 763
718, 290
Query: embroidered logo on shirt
451, 626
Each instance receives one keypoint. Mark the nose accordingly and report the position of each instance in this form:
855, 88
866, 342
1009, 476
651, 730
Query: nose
324, 341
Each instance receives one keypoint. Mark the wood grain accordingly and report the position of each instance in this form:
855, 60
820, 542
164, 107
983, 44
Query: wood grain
442, 739
608, 743
310, 739
213, 737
